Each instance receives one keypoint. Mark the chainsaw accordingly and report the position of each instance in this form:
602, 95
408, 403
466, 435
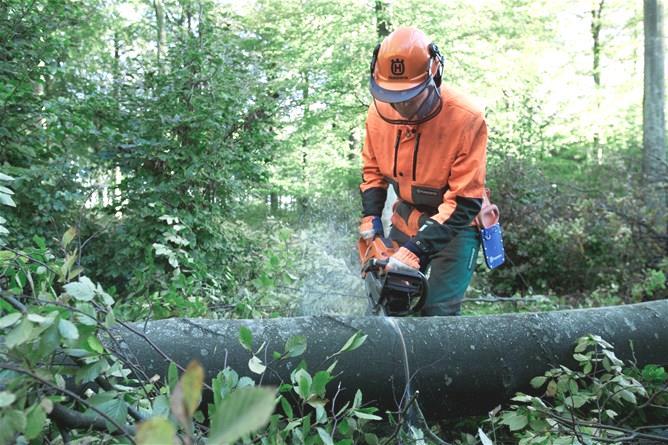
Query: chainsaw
394, 293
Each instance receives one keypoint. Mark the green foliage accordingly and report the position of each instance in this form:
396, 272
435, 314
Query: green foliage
165, 159
44, 314
562, 239
603, 399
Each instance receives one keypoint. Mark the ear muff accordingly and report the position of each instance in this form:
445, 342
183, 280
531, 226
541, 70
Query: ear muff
434, 53
374, 58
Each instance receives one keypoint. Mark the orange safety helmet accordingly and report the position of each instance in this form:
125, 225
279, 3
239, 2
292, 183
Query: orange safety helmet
403, 65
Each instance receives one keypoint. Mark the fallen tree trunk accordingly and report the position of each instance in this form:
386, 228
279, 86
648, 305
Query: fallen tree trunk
461, 365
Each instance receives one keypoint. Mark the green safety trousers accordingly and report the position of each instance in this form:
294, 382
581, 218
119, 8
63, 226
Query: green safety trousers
450, 272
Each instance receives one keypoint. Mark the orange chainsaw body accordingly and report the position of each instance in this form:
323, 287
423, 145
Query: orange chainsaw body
378, 249
390, 292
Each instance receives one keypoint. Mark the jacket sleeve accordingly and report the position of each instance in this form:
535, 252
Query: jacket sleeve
463, 199
374, 186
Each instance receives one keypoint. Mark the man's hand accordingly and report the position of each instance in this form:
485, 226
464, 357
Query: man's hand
403, 259
370, 226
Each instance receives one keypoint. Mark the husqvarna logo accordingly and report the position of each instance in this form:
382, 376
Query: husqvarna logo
397, 67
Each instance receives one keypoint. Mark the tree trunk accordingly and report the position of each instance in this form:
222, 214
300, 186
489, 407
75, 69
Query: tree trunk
116, 69
160, 30
302, 199
596, 23
654, 129
273, 203
460, 365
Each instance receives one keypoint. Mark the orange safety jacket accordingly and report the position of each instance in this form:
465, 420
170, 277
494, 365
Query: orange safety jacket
437, 169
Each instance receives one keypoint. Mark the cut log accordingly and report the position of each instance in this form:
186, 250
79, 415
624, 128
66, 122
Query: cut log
461, 365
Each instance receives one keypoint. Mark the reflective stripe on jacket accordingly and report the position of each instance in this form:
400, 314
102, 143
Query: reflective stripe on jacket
436, 167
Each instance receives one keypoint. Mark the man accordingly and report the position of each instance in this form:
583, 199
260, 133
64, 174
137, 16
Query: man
429, 142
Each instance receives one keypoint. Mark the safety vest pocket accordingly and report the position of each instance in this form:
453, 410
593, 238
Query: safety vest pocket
427, 196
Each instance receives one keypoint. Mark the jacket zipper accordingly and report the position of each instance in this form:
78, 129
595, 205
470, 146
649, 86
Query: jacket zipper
415, 154
396, 153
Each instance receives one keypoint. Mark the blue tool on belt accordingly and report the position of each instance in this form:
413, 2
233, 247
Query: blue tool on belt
491, 233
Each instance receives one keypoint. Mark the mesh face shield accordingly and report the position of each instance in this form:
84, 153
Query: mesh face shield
423, 106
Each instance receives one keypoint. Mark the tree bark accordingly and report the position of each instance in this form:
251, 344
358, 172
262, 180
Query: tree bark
596, 12
654, 128
160, 31
596, 24
460, 365
302, 199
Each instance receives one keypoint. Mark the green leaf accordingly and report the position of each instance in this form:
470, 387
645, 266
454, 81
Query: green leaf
325, 436
6, 399
4, 177
6, 190
110, 320
7, 200
295, 346
483, 438
287, 409
246, 338
522, 398
353, 342
357, 401
611, 413
320, 381
587, 368
106, 298
256, 365
187, 395
188, 392
551, 390
19, 335
68, 236
366, 416
654, 373
172, 375
49, 340
82, 290
371, 439
35, 422
161, 406
628, 396
537, 382
17, 419
515, 421
87, 315
115, 408
67, 329
581, 345
88, 373
67, 266
575, 401
9, 320
36, 318
156, 431
95, 344
244, 411
302, 380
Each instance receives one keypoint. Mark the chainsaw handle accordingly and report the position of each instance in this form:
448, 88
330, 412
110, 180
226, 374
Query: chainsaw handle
374, 264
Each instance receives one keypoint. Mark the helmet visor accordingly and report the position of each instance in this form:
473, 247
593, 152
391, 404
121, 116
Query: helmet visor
394, 96
419, 108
